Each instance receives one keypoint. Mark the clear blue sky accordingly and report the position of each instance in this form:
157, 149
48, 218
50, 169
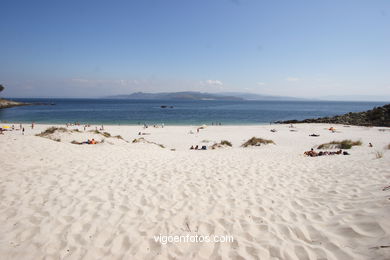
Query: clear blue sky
97, 48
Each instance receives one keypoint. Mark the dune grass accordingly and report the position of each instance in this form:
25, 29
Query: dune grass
105, 134
378, 154
95, 132
344, 144
255, 141
143, 140
139, 140
52, 130
221, 144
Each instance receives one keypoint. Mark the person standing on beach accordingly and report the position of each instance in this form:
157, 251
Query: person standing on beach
23, 131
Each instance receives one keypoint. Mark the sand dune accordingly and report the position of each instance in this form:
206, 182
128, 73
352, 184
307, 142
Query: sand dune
66, 201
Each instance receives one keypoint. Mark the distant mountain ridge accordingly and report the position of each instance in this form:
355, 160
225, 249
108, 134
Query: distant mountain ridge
193, 95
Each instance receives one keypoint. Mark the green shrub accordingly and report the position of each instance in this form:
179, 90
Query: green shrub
345, 144
52, 130
221, 144
378, 155
106, 134
225, 142
254, 141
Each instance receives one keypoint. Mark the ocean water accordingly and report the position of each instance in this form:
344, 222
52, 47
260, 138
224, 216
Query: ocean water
113, 111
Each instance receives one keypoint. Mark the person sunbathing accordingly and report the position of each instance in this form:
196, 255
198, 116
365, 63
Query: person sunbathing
315, 135
311, 153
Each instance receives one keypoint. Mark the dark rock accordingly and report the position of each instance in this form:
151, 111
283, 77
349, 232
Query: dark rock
379, 116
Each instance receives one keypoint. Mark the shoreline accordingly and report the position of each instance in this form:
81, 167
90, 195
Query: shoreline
158, 125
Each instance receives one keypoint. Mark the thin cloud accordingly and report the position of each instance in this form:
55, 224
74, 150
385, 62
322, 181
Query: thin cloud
292, 79
211, 82
260, 83
121, 82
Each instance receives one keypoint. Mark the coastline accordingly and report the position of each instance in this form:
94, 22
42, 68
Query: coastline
5, 103
108, 200
378, 116
184, 113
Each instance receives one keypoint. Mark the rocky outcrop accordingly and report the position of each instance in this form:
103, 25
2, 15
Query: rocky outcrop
4, 103
379, 116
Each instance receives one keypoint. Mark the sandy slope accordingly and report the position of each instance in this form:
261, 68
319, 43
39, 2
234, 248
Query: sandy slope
66, 201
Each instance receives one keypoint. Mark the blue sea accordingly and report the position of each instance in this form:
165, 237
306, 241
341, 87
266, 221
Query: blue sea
128, 112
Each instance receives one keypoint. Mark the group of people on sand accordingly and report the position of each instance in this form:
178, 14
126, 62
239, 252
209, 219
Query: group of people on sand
12, 128
155, 125
92, 141
313, 153
197, 147
74, 124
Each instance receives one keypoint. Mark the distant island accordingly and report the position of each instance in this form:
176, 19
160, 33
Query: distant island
379, 116
193, 95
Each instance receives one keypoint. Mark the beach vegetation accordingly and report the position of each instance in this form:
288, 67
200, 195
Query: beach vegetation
255, 141
345, 144
221, 144
227, 143
106, 134
139, 140
143, 140
95, 132
378, 154
52, 130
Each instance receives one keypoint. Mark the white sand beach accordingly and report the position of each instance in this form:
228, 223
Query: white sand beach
107, 201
